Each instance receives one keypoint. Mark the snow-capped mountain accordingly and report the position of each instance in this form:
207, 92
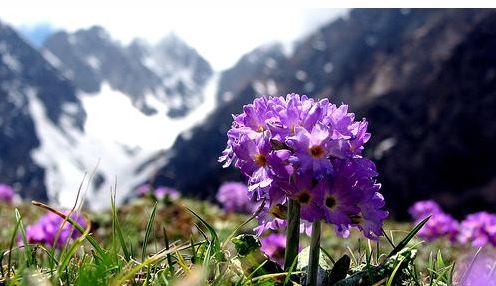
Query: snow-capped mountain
84, 104
170, 75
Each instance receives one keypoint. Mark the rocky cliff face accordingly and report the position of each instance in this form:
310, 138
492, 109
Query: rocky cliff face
424, 79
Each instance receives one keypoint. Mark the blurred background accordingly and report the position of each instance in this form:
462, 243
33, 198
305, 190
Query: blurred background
146, 93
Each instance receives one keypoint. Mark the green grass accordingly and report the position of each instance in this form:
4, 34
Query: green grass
190, 243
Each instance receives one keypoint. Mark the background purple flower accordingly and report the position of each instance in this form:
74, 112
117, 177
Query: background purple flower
144, 190
478, 229
423, 209
6, 193
476, 270
234, 198
166, 193
47, 230
440, 225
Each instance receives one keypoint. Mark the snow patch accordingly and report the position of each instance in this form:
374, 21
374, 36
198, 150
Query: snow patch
10, 61
52, 59
93, 62
113, 128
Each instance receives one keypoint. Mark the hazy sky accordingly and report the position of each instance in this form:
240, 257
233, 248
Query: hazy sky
221, 34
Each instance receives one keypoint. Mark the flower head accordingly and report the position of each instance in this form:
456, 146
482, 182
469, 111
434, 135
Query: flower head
6, 193
297, 148
165, 193
234, 198
476, 269
51, 229
478, 229
144, 190
440, 225
423, 209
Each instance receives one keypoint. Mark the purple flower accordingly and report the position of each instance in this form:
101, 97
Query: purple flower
440, 225
51, 229
478, 229
6, 193
165, 193
423, 209
274, 246
476, 269
353, 198
144, 190
372, 216
310, 151
253, 161
309, 193
234, 198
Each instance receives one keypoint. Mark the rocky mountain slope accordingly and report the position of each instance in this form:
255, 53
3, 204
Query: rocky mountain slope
25, 77
169, 74
85, 102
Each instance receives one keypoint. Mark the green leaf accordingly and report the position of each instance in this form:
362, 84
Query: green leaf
409, 237
245, 244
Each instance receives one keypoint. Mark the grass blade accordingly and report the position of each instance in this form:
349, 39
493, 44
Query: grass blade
65, 260
149, 227
409, 237
27, 248
215, 238
116, 227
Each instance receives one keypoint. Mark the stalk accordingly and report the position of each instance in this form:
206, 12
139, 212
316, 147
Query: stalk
293, 234
313, 259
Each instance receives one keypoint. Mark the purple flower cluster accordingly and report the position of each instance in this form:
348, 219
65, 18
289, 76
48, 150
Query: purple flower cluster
439, 225
423, 209
161, 193
479, 229
310, 151
274, 246
166, 193
234, 198
6, 193
476, 269
48, 230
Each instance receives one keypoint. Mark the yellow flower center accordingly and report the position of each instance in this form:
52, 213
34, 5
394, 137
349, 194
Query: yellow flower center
260, 160
317, 151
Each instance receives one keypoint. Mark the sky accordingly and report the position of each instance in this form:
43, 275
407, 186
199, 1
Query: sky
222, 33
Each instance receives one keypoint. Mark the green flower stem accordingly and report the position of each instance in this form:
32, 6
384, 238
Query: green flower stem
313, 259
293, 234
